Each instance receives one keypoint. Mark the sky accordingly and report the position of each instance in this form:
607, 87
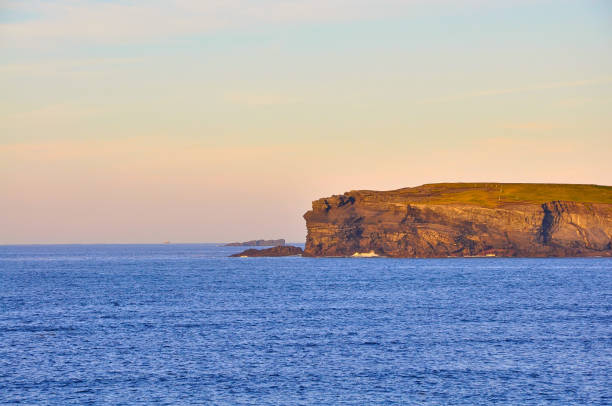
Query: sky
222, 120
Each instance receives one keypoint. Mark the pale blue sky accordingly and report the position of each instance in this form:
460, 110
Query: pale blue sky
141, 121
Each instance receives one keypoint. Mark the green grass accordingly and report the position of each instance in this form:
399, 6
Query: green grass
494, 194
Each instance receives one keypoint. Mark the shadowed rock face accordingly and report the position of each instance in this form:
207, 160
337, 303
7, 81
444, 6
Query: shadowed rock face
455, 220
280, 251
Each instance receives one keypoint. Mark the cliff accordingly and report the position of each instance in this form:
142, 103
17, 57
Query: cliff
464, 219
257, 243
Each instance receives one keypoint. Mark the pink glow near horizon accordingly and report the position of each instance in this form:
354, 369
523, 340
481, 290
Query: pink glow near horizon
208, 132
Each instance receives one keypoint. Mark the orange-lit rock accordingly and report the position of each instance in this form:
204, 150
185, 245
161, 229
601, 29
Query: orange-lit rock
458, 220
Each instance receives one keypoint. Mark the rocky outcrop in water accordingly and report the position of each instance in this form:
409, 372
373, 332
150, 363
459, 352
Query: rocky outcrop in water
280, 251
257, 243
462, 220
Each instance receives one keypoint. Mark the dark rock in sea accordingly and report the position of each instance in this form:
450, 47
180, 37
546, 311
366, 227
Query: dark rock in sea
257, 243
279, 251
463, 220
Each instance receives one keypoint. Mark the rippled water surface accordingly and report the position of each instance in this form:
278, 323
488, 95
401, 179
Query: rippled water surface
183, 324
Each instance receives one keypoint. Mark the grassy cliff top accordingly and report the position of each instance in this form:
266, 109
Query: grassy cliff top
495, 194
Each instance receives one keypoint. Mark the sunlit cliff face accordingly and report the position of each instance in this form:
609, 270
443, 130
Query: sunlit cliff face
218, 122
464, 220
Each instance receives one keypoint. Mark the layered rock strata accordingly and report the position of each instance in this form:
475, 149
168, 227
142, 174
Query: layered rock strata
464, 220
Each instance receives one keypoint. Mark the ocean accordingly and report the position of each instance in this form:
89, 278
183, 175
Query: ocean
185, 325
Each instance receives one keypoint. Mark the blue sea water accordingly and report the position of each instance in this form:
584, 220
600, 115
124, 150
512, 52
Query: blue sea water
184, 324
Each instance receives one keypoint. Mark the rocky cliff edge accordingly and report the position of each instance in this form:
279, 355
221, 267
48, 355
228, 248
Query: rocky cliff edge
464, 220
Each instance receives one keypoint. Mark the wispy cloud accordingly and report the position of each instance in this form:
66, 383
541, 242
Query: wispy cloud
515, 90
533, 126
259, 98
138, 20
53, 114
68, 66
